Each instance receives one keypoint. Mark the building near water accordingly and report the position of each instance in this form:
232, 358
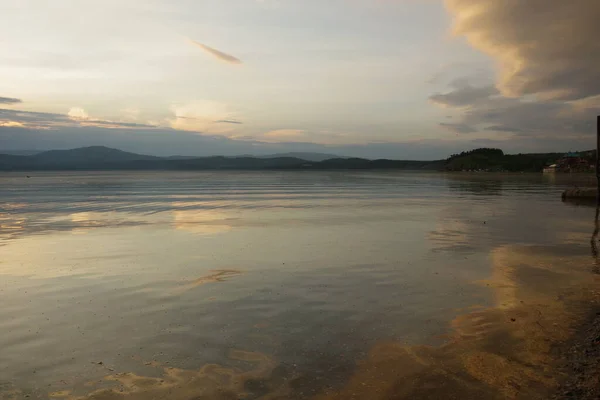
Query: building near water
570, 162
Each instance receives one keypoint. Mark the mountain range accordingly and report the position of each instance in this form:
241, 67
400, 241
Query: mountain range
105, 158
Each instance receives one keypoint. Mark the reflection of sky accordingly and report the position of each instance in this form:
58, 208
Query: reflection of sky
304, 280
518, 210
200, 221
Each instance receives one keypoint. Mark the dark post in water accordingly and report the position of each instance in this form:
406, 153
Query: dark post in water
598, 158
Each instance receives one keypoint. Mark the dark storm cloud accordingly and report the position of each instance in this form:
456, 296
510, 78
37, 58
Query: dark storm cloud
10, 100
548, 48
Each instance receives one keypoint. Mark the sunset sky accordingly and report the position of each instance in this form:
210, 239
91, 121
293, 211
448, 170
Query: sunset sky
373, 78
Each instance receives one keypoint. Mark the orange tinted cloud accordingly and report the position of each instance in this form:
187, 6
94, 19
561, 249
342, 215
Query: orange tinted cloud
204, 116
548, 48
11, 124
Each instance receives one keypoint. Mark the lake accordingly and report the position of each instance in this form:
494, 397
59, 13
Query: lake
288, 285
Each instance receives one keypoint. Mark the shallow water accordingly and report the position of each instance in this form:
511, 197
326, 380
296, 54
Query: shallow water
266, 285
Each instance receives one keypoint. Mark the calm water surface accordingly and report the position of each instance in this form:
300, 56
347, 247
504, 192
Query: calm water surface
294, 275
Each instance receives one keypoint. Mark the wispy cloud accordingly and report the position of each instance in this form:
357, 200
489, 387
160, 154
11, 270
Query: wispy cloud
76, 117
10, 100
228, 58
218, 121
458, 127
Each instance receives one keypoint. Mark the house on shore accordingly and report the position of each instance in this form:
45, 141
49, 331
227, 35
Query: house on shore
570, 162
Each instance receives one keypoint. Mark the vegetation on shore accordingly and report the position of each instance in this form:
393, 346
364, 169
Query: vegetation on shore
489, 159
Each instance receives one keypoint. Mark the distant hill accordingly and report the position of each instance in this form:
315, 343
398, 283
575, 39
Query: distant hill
21, 152
92, 154
303, 156
105, 158
94, 157
489, 159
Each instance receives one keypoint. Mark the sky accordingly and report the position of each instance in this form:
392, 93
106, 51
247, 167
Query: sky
404, 79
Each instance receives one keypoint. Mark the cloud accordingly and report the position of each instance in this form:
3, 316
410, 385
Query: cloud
502, 128
448, 70
11, 124
458, 127
548, 86
463, 96
76, 117
229, 121
78, 113
518, 116
204, 116
547, 48
541, 119
218, 54
9, 100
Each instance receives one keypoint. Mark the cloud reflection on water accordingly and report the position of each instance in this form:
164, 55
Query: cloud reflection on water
201, 221
488, 356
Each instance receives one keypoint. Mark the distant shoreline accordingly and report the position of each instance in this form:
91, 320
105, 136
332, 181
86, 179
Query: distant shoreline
100, 158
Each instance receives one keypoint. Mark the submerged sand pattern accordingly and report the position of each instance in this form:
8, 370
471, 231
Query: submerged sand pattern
504, 352
209, 382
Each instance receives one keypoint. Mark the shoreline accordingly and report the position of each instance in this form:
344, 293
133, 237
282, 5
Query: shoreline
582, 362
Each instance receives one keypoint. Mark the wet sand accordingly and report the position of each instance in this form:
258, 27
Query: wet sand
582, 364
